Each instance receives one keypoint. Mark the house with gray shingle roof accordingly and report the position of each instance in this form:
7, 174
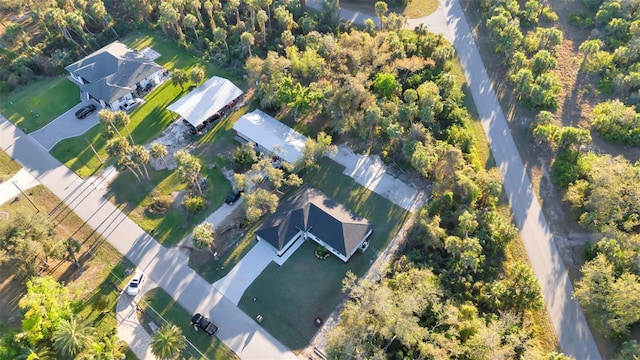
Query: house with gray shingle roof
114, 74
310, 214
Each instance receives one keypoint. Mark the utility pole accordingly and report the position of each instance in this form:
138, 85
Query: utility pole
25, 195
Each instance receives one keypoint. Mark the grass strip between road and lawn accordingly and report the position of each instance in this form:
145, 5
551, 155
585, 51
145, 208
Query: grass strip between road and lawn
159, 307
35, 105
8, 167
292, 296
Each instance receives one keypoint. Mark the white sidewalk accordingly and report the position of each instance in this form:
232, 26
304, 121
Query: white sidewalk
9, 189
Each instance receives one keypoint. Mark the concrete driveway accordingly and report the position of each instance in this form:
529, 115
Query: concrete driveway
370, 172
65, 126
130, 330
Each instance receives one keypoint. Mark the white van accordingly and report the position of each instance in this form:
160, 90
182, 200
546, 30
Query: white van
134, 285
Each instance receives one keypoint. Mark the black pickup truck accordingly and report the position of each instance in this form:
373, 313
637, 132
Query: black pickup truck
204, 323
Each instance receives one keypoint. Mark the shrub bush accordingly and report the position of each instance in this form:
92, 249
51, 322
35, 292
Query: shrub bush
194, 204
160, 204
617, 122
322, 252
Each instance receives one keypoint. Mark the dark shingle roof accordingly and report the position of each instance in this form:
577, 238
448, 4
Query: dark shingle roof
113, 71
310, 209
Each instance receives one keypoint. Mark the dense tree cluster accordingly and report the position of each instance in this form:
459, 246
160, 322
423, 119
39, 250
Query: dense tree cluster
530, 49
602, 191
49, 36
617, 122
449, 295
566, 138
27, 243
391, 88
613, 53
51, 328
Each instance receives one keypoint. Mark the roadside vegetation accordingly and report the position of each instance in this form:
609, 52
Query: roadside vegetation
8, 167
594, 178
42, 249
412, 9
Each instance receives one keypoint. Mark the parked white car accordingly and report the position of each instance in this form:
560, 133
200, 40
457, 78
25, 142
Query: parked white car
134, 285
131, 104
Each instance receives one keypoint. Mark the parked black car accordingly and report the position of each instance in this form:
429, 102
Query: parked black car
233, 197
84, 111
204, 323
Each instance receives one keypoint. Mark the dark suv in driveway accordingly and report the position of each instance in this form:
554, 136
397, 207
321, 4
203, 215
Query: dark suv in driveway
84, 111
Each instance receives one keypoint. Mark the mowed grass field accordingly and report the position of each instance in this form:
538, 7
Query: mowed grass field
35, 105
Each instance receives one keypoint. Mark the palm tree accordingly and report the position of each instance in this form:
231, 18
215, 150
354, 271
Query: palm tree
36, 353
203, 236
72, 337
220, 36
189, 169
179, 77
167, 342
158, 150
246, 41
107, 119
140, 156
120, 119
108, 348
120, 149
197, 74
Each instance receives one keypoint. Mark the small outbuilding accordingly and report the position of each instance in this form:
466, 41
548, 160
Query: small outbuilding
206, 103
310, 214
270, 136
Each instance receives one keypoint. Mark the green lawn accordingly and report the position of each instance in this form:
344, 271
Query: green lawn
147, 121
175, 224
8, 167
173, 57
290, 297
35, 105
172, 312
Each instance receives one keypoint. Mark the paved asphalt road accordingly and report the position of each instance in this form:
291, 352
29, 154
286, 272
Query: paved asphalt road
168, 268
566, 314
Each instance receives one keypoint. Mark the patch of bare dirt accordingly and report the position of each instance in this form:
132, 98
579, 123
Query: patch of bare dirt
228, 233
175, 137
178, 197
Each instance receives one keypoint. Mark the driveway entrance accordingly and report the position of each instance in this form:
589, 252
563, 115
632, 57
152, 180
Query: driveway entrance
65, 126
